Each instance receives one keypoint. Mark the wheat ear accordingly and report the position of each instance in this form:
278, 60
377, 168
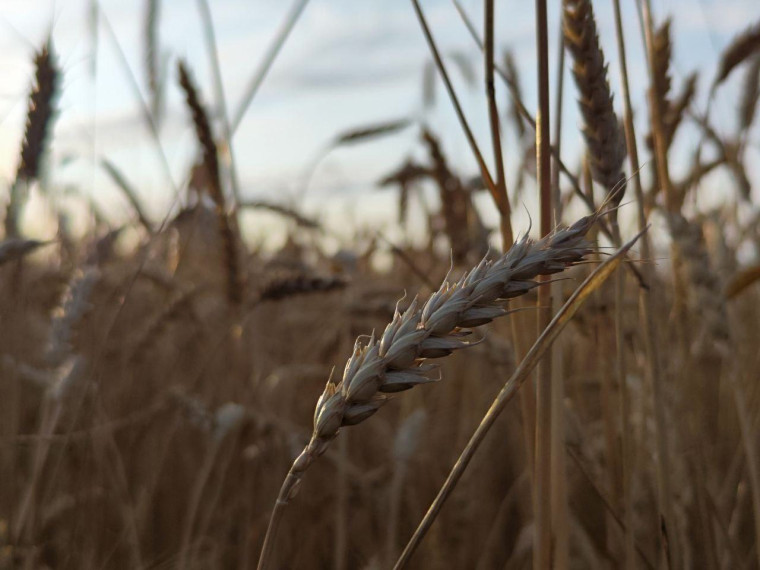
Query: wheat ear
39, 117
211, 164
738, 51
395, 361
282, 287
750, 94
601, 128
677, 109
40, 113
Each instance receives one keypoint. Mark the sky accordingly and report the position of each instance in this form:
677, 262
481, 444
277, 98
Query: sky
347, 64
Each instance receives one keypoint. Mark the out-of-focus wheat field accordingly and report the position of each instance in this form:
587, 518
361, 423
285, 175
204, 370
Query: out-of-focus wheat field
234, 243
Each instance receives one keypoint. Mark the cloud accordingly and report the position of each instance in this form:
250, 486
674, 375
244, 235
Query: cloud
726, 18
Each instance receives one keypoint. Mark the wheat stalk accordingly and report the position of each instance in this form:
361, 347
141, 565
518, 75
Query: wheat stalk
512, 77
395, 361
545, 518
645, 301
129, 192
507, 236
669, 542
405, 444
152, 52
500, 199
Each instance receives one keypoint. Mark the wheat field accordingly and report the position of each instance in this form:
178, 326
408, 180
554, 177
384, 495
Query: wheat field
582, 393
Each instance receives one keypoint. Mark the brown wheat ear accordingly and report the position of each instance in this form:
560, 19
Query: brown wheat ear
677, 109
663, 51
601, 128
283, 287
40, 114
738, 51
211, 164
39, 118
